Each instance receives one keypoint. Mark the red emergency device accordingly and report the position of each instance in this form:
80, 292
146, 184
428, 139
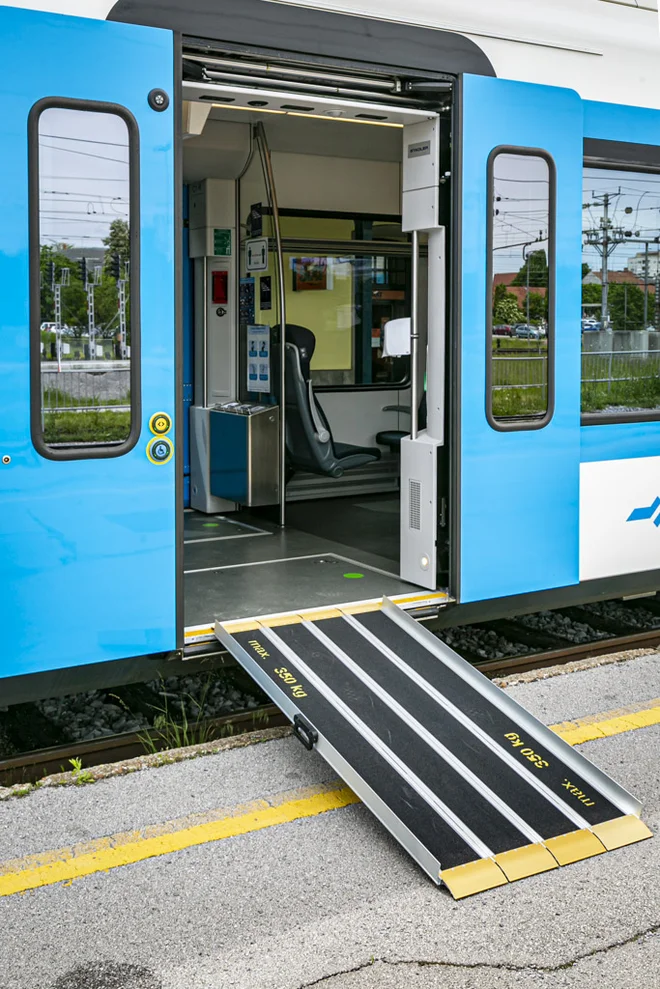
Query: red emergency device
219, 283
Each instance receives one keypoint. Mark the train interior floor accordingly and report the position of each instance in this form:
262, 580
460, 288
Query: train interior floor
332, 551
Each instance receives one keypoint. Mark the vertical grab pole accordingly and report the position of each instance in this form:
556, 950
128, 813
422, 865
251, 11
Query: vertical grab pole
414, 337
205, 334
270, 182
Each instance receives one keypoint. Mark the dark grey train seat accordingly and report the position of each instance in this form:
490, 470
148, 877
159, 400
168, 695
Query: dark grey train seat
393, 437
309, 442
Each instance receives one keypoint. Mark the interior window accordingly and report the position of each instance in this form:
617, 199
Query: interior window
520, 311
345, 291
83, 162
620, 278
346, 299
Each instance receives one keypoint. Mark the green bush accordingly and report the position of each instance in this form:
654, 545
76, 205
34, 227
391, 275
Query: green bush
61, 428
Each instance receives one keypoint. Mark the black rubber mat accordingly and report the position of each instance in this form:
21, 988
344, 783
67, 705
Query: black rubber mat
483, 819
411, 810
495, 722
527, 802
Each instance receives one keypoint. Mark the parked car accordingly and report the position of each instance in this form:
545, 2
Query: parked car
525, 331
591, 324
502, 330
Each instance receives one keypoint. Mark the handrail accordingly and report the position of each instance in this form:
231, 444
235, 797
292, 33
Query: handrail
264, 153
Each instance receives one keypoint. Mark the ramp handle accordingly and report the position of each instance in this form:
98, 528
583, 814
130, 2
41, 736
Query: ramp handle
304, 732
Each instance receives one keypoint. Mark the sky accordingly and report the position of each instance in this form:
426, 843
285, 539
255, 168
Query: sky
83, 176
521, 210
636, 191
521, 186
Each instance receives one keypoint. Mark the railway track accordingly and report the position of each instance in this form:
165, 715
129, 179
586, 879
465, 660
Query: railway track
546, 648
28, 767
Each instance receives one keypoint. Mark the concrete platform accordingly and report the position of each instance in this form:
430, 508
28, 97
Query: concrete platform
329, 899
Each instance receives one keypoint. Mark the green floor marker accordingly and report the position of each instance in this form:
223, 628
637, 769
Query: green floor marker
210, 525
353, 576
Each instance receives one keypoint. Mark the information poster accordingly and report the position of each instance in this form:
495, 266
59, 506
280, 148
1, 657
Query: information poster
265, 292
258, 359
256, 220
246, 301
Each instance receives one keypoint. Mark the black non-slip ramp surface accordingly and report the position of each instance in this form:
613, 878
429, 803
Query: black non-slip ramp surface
473, 787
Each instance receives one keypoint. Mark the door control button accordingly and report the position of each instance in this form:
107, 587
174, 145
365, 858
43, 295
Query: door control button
160, 423
160, 449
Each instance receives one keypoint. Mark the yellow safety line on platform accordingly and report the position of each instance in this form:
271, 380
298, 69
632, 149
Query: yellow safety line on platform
87, 858
102, 854
609, 723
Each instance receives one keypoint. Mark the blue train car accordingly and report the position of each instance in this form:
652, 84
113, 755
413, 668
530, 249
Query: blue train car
303, 308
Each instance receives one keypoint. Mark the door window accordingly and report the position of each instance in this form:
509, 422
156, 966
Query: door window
85, 347
520, 311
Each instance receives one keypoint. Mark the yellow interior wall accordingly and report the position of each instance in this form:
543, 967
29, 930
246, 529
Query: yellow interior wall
329, 312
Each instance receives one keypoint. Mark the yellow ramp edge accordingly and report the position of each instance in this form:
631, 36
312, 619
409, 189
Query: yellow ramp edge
240, 625
278, 620
362, 607
574, 846
621, 831
528, 860
317, 614
473, 877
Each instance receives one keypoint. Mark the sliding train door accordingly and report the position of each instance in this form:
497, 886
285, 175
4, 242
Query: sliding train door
87, 342
518, 415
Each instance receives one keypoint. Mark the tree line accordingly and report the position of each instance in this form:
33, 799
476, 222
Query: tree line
74, 296
625, 300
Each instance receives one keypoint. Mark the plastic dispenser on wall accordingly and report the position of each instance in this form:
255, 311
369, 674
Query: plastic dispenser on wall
419, 451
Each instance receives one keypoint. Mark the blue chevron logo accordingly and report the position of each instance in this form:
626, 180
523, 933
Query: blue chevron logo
643, 514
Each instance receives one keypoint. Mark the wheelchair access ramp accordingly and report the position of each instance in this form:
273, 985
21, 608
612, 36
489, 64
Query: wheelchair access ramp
477, 790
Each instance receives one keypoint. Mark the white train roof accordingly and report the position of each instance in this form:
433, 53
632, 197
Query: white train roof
606, 50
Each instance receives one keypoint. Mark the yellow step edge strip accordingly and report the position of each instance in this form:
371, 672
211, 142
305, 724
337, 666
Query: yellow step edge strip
315, 614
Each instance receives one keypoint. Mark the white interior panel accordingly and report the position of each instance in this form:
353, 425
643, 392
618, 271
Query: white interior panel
356, 416
343, 184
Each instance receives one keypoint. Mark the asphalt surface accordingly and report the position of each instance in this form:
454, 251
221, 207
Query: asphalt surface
330, 900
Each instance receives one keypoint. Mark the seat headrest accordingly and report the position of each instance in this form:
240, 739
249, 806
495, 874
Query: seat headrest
305, 341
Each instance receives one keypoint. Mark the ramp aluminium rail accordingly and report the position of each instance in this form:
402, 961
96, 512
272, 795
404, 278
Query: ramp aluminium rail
476, 790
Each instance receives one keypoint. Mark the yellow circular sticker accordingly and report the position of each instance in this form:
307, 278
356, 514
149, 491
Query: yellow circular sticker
160, 423
160, 449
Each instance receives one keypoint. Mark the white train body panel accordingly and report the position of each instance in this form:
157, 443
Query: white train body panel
607, 50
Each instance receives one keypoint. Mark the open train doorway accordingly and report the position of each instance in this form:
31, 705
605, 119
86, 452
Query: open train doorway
316, 307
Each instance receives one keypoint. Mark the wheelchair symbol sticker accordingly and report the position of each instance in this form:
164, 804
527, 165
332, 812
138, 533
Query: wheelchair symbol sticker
160, 450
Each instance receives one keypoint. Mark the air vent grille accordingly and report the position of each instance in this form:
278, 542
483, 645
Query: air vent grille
415, 511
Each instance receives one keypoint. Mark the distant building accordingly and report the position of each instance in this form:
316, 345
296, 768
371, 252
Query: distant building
637, 264
520, 291
625, 277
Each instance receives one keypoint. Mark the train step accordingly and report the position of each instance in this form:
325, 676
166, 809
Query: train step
475, 789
